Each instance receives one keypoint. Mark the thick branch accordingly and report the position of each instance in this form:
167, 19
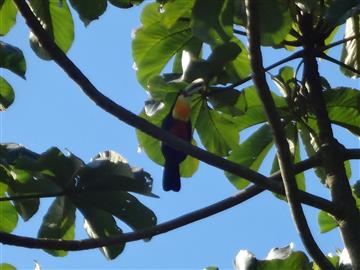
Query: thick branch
284, 155
331, 150
132, 119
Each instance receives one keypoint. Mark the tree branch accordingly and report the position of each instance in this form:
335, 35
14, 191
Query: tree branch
294, 56
133, 120
341, 64
283, 152
331, 151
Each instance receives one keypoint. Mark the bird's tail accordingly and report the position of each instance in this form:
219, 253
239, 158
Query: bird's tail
171, 176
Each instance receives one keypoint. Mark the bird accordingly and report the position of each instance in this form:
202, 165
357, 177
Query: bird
178, 123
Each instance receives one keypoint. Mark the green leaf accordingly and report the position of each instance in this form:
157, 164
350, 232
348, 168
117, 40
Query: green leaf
252, 110
311, 143
251, 154
12, 59
59, 223
56, 19
92, 10
326, 222
8, 16
217, 132
215, 26
6, 266
7, 94
109, 171
351, 50
211, 268
155, 44
9, 216
343, 106
125, 3
275, 21
238, 68
174, 10
297, 260
339, 11
122, 205
98, 224
159, 89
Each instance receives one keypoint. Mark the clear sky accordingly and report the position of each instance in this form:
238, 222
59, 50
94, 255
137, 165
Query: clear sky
51, 110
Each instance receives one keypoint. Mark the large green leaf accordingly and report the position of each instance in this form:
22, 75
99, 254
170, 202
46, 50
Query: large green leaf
275, 21
125, 3
8, 214
297, 260
59, 223
99, 223
176, 10
6, 266
351, 50
154, 44
250, 109
326, 222
90, 10
339, 11
122, 205
217, 132
7, 16
12, 59
109, 171
343, 105
212, 21
56, 19
251, 153
7, 94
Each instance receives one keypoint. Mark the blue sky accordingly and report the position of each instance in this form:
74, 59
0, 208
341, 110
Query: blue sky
50, 110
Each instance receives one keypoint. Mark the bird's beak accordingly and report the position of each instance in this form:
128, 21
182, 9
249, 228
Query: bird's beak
194, 87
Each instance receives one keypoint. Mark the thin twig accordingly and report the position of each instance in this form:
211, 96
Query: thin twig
337, 62
294, 56
283, 151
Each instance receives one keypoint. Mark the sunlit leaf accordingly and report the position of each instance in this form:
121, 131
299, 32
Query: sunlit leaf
8, 16
6, 266
326, 222
92, 10
251, 154
297, 260
351, 50
154, 44
217, 132
56, 19
176, 10
215, 25
7, 94
8, 214
12, 59
343, 105
59, 223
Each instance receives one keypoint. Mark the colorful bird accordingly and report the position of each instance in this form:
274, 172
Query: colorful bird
178, 123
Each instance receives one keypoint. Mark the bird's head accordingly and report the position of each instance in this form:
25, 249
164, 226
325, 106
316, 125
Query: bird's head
182, 108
